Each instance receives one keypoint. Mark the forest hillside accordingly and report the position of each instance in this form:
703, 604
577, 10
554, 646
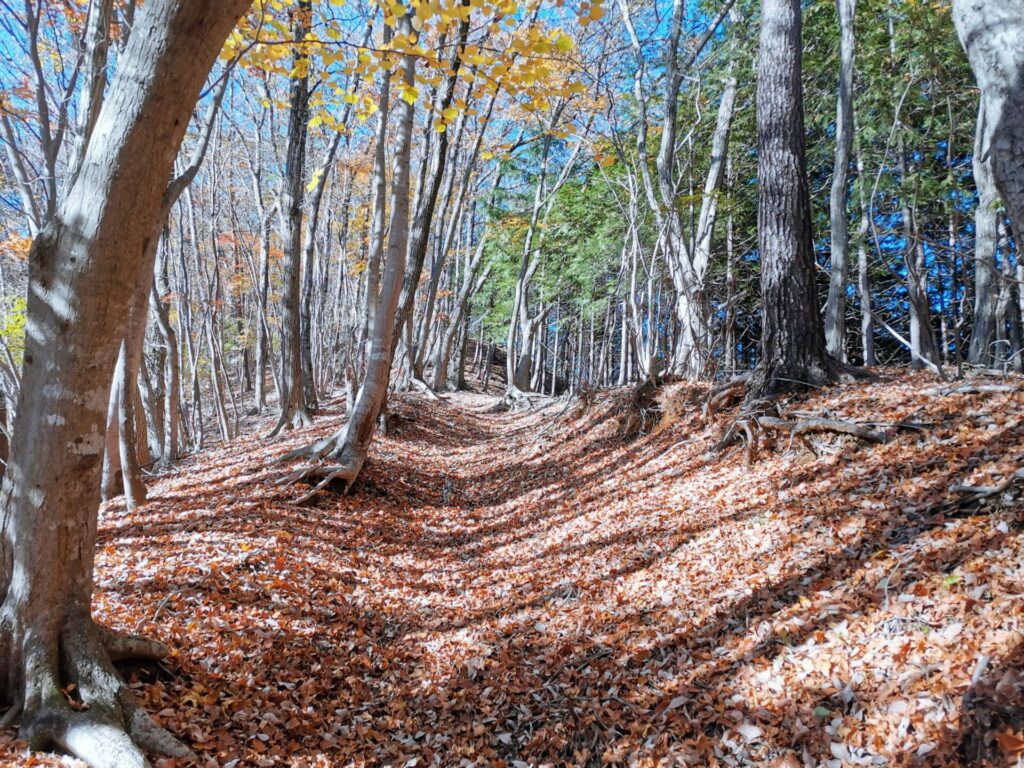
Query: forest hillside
562, 588
513, 383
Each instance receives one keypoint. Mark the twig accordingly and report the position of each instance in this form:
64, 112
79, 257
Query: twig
980, 492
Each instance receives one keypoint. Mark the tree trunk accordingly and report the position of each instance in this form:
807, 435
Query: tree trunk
171, 419
792, 352
835, 309
262, 329
293, 396
429, 187
985, 237
350, 446
82, 265
993, 36
867, 332
379, 187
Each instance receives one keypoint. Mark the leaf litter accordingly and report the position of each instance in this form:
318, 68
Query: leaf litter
499, 590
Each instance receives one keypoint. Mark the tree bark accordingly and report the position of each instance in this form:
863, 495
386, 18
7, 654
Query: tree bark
835, 308
81, 266
985, 237
792, 351
349, 447
993, 35
293, 397
867, 326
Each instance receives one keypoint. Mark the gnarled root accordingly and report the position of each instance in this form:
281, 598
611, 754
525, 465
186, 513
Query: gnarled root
68, 695
421, 386
312, 452
514, 399
724, 394
327, 461
765, 416
346, 472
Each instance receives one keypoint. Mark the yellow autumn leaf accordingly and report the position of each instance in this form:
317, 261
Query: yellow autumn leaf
409, 94
317, 174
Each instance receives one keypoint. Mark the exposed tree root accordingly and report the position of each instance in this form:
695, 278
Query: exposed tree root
68, 694
764, 416
346, 472
513, 400
121, 647
327, 461
297, 418
642, 410
971, 388
725, 394
311, 452
803, 426
421, 386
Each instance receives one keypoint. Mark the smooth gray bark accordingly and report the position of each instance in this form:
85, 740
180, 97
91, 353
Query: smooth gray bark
992, 33
835, 308
985, 238
81, 266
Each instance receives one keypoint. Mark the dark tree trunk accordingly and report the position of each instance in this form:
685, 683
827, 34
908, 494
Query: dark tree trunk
792, 352
293, 397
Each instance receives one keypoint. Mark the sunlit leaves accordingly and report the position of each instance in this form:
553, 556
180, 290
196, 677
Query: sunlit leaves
530, 61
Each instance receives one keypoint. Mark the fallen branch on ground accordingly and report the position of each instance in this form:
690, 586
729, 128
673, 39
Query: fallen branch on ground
805, 425
971, 388
982, 492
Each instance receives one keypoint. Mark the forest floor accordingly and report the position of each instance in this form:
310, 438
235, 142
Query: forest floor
537, 589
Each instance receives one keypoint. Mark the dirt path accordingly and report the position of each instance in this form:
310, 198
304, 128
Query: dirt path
521, 590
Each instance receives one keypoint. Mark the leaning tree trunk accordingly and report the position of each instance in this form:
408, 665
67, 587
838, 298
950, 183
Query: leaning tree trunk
81, 266
354, 442
835, 308
347, 449
792, 352
992, 33
293, 397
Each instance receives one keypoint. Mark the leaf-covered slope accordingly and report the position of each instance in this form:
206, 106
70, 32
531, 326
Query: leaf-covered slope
533, 589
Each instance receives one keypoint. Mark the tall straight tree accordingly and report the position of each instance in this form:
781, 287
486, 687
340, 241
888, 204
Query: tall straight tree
835, 309
293, 398
792, 352
81, 266
986, 236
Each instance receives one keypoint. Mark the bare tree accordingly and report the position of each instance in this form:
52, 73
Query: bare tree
293, 397
992, 33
